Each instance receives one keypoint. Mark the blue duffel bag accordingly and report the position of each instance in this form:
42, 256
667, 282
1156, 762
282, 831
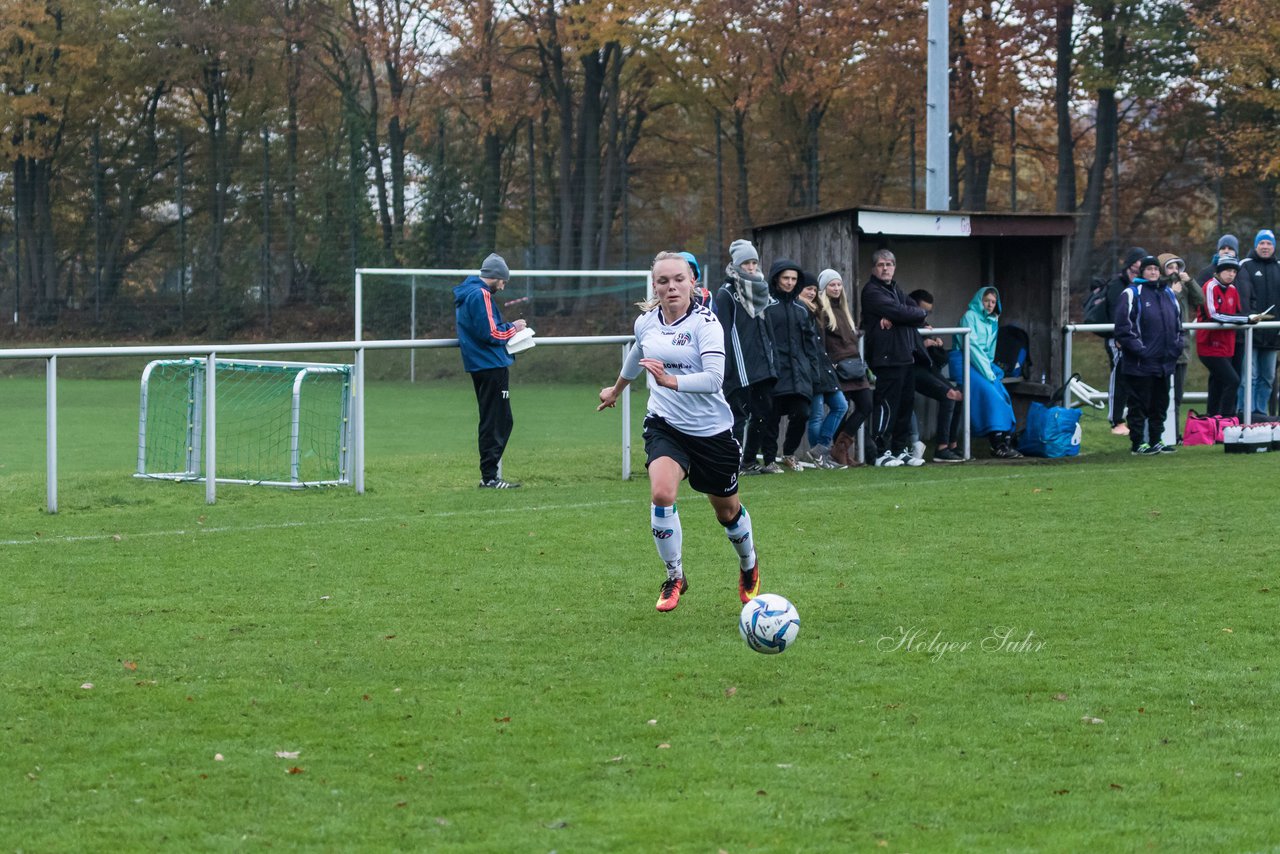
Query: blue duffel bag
1052, 431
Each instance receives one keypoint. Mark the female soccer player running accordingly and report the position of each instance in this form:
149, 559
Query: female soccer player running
687, 430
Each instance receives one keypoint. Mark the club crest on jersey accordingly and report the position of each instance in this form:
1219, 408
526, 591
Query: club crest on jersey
681, 339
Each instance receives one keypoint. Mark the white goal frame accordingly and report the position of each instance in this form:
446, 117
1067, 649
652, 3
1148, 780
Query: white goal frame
196, 422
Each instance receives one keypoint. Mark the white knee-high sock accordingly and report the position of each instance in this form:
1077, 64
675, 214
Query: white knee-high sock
668, 537
739, 533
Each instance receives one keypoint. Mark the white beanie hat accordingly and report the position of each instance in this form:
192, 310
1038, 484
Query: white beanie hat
828, 276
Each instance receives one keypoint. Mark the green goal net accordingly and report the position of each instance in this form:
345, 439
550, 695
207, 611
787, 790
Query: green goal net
276, 423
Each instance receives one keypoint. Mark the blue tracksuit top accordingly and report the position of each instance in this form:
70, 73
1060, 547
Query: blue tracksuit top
1148, 329
482, 336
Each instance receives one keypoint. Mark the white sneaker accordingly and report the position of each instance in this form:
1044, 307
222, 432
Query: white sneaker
917, 450
908, 458
887, 460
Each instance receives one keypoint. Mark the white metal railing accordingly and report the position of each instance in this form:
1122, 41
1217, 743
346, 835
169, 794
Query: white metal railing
1246, 381
210, 353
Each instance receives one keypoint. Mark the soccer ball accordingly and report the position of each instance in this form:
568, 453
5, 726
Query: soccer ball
769, 623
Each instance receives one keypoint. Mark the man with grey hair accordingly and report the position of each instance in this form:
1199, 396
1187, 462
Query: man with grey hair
890, 319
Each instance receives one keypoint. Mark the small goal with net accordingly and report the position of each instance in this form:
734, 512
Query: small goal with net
276, 423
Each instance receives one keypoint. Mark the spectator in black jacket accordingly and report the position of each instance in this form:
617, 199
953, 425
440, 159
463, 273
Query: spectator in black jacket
1149, 335
749, 371
1118, 388
796, 357
890, 319
1259, 283
1228, 247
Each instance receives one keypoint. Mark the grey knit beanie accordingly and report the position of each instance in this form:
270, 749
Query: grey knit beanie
741, 251
494, 267
826, 277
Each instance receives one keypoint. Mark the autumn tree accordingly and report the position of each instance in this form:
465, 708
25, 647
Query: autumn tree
40, 69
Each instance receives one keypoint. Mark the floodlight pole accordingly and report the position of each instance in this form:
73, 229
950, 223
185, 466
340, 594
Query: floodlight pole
937, 187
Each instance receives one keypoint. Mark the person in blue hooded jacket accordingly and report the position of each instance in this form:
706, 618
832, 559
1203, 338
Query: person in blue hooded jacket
990, 407
1148, 331
482, 339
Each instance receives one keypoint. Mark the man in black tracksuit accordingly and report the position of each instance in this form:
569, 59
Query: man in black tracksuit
890, 319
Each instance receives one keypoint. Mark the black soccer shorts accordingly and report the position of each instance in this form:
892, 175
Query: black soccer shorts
710, 462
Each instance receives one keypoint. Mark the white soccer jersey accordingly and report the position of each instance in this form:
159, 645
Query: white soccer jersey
691, 349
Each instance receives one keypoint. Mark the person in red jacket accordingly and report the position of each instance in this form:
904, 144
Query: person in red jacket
1216, 348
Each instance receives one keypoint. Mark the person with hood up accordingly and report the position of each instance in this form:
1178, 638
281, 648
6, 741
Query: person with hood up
1190, 296
828, 407
1148, 331
1259, 285
482, 340
795, 355
749, 371
990, 407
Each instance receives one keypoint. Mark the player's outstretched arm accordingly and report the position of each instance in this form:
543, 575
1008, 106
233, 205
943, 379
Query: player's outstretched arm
609, 394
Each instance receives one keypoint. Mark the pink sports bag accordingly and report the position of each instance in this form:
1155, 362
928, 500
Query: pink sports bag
1206, 429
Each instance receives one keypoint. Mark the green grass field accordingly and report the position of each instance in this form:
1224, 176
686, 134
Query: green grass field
1073, 656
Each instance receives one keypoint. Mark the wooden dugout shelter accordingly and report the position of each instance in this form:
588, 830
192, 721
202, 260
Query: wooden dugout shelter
950, 254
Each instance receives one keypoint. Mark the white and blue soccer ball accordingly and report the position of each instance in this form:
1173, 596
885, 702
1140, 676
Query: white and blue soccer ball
769, 623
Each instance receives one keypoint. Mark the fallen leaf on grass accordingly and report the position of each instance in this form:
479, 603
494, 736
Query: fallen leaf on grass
402, 804
287, 754
1116, 786
505, 720
130, 665
1061, 791
1092, 720
115, 538
296, 770
761, 792
88, 686
217, 757
664, 746
615, 758
557, 825
1061, 697
1229, 631
652, 722
730, 691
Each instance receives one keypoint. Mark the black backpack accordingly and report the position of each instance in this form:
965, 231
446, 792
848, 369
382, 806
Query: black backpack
1095, 304
1013, 351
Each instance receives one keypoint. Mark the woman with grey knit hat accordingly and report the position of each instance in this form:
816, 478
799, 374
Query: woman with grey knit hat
749, 372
